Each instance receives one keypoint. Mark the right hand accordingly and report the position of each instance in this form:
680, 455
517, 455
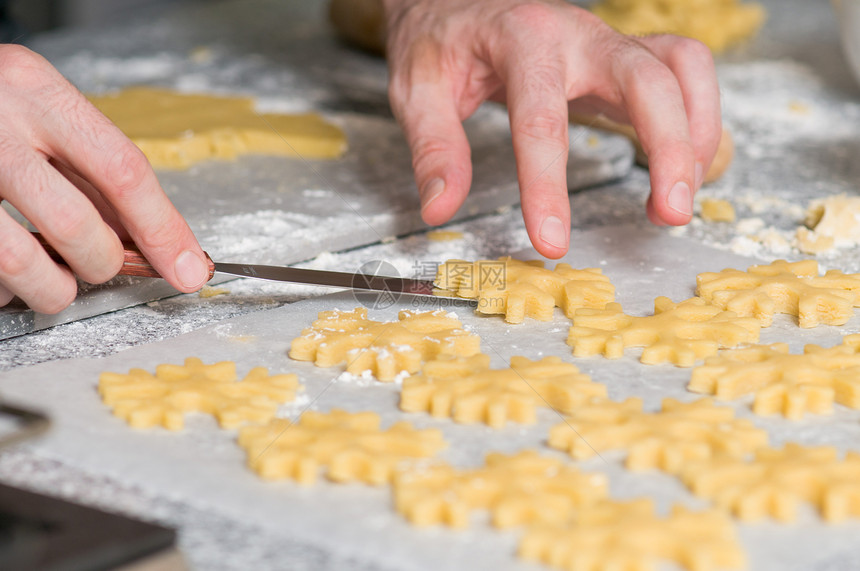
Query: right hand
81, 183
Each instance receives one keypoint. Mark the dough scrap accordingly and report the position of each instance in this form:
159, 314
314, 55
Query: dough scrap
679, 333
468, 391
776, 481
718, 24
521, 289
831, 222
384, 348
794, 288
717, 210
444, 235
145, 400
351, 446
631, 536
521, 489
175, 130
785, 383
664, 440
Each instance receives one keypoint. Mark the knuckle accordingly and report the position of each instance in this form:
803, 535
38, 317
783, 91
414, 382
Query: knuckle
127, 169
544, 124
16, 257
692, 50
21, 67
534, 17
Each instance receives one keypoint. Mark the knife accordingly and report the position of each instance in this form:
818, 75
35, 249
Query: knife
136, 264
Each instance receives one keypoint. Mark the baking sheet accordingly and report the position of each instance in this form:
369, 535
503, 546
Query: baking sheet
204, 468
271, 209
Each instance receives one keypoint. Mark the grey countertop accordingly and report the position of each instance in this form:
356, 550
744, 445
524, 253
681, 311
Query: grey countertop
784, 159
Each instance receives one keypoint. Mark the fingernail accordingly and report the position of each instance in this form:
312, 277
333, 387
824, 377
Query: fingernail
190, 270
680, 199
700, 174
432, 190
553, 232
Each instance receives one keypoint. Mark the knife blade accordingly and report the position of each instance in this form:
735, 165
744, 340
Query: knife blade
136, 264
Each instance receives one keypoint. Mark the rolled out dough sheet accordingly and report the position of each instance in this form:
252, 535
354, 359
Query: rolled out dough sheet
176, 130
203, 466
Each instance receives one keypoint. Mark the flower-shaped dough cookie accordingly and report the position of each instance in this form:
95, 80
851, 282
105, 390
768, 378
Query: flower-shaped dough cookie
781, 287
784, 383
351, 446
521, 489
664, 440
776, 482
631, 536
518, 289
384, 348
679, 333
468, 390
147, 400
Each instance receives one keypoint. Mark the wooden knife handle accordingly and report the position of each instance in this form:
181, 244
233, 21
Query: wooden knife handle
134, 262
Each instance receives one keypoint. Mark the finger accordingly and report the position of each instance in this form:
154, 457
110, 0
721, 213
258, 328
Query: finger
64, 216
5, 296
693, 66
655, 104
441, 158
26, 270
537, 105
106, 211
98, 150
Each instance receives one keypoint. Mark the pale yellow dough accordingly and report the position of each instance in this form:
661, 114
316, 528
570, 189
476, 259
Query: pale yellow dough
384, 348
444, 235
524, 488
468, 390
776, 481
631, 536
146, 400
832, 222
664, 440
794, 288
718, 24
176, 130
785, 383
717, 210
351, 446
518, 289
678, 333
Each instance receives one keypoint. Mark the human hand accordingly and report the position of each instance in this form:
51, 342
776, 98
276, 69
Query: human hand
84, 185
546, 59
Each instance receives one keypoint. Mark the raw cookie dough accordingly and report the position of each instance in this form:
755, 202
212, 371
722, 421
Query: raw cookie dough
775, 482
351, 446
664, 440
384, 348
679, 333
781, 287
518, 289
630, 536
832, 222
444, 235
175, 130
146, 400
718, 24
468, 391
524, 488
786, 384
717, 210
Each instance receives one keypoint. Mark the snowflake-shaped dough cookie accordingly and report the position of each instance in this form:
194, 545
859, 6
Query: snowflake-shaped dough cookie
524, 488
666, 440
784, 383
467, 390
146, 400
781, 287
775, 482
520, 289
384, 348
632, 537
351, 445
679, 333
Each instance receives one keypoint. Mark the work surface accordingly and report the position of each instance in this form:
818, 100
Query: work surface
784, 159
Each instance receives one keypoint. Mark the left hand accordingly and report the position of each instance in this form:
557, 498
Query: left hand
544, 58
